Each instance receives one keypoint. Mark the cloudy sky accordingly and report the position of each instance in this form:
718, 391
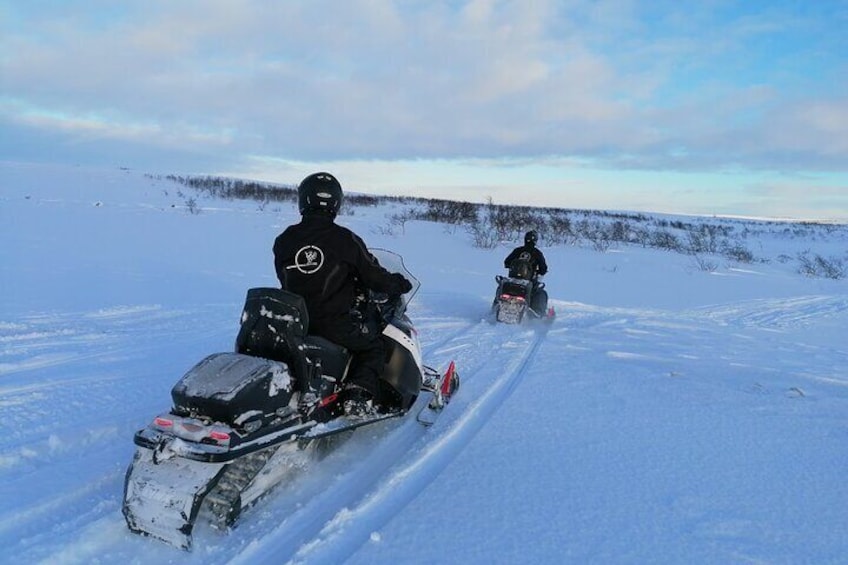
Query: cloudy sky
707, 107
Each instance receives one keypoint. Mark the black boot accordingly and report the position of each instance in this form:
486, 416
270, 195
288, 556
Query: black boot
358, 402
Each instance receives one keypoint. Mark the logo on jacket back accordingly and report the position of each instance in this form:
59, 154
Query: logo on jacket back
308, 260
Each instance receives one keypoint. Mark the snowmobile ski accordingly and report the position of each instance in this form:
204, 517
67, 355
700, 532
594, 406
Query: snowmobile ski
547, 316
442, 387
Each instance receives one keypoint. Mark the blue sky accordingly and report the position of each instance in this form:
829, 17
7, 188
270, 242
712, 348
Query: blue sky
711, 107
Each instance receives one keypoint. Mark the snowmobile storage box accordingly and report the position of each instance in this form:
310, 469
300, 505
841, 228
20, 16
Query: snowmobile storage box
227, 387
515, 287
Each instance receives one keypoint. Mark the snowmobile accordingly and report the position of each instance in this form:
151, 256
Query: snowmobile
242, 421
520, 294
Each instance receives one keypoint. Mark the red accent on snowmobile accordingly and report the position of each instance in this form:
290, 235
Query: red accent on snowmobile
328, 400
447, 381
441, 396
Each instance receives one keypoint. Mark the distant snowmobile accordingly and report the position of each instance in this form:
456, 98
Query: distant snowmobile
519, 295
240, 421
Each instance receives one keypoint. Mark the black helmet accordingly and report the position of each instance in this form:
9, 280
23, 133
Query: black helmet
320, 193
530, 238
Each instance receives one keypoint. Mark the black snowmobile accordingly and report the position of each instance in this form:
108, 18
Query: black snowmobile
520, 294
240, 421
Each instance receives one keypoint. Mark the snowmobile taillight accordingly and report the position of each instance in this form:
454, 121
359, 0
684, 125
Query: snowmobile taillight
511, 297
163, 422
219, 436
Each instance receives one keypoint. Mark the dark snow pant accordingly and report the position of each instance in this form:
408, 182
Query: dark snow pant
364, 340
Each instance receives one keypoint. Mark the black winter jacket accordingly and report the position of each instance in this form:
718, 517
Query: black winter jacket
536, 258
326, 264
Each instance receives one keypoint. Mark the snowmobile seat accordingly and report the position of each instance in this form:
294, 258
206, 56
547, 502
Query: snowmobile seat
332, 357
273, 325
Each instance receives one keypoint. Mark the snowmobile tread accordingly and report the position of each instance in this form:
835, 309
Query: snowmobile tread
224, 501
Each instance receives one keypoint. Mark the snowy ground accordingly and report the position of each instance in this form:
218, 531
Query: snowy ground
669, 415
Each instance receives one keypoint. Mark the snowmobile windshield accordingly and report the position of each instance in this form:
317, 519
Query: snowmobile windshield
393, 263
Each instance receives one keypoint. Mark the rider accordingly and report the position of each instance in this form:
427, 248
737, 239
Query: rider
529, 254
528, 262
329, 266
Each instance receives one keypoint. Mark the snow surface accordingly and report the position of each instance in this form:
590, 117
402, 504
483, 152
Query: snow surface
669, 414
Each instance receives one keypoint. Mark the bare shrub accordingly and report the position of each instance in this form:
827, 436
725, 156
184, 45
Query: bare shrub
600, 240
558, 230
814, 265
738, 253
483, 235
704, 264
449, 212
662, 239
361, 200
192, 206
399, 219
620, 231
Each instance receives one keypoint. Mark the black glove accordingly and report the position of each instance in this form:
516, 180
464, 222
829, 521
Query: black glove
401, 283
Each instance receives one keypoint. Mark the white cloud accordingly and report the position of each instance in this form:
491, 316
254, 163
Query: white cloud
626, 83
99, 127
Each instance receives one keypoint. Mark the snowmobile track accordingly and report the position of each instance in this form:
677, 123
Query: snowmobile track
333, 525
444, 342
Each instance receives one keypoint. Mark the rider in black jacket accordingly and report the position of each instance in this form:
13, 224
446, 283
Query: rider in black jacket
529, 252
329, 265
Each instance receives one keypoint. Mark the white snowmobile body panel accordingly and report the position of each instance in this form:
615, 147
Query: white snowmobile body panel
162, 498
